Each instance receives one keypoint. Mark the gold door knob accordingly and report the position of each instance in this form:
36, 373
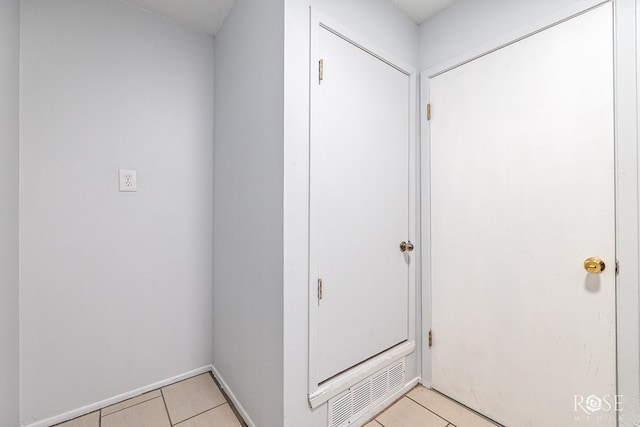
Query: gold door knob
594, 265
406, 246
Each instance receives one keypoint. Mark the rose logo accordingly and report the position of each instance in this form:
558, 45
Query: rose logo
593, 404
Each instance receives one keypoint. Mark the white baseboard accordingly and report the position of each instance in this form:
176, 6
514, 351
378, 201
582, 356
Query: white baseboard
117, 399
243, 413
210, 368
373, 412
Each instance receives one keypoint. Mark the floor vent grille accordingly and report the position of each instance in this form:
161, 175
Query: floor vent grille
347, 407
341, 411
396, 375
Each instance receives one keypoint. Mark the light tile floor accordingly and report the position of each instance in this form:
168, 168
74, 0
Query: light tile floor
198, 402
422, 407
194, 402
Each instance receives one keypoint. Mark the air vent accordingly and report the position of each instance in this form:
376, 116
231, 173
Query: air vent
361, 397
379, 386
341, 410
396, 376
349, 406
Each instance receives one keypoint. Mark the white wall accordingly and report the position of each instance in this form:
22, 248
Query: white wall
385, 27
248, 181
115, 287
9, 68
468, 24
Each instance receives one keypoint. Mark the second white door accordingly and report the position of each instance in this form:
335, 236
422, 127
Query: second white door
359, 205
522, 187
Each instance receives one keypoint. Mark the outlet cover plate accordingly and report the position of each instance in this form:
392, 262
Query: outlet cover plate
128, 182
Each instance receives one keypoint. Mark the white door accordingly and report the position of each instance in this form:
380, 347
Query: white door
359, 205
522, 188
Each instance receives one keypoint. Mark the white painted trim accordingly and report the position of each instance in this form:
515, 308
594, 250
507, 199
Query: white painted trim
117, 399
313, 345
626, 12
422, 250
414, 213
370, 414
225, 387
353, 376
425, 231
627, 110
317, 21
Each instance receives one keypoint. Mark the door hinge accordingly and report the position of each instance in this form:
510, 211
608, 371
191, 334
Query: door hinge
319, 289
320, 70
430, 339
428, 111
617, 267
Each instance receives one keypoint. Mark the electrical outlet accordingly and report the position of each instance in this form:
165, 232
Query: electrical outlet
128, 180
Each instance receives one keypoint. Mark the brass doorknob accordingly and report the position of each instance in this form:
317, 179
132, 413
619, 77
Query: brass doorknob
594, 265
406, 246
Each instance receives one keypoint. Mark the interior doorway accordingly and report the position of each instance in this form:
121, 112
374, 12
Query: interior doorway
362, 204
522, 193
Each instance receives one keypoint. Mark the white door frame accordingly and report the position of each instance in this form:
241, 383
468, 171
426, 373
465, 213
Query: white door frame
318, 395
627, 106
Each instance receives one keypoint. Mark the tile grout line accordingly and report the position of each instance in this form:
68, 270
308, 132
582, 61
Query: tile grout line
197, 415
128, 407
420, 404
227, 402
181, 381
165, 407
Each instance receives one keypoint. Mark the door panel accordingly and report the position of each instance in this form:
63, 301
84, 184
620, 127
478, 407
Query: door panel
359, 202
522, 152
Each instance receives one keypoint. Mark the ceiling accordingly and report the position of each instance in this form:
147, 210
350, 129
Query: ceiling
205, 15
208, 15
420, 10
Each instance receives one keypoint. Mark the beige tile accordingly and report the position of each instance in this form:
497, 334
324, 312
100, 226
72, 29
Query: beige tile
221, 416
447, 408
191, 397
131, 402
89, 420
151, 413
373, 423
407, 413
